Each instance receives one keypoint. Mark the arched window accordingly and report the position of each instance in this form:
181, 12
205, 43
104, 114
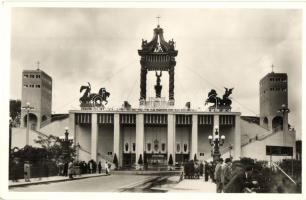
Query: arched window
163, 146
134, 147
277, 123
178, 147
185, 147
156, 145
126, 147
149, 146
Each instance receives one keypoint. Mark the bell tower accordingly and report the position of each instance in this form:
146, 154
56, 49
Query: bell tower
157, 55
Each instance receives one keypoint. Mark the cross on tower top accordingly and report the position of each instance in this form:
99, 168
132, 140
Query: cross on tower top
158, 20
38, 64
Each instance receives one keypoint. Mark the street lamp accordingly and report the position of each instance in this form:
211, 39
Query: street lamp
216, 141
66, 143
284, 110
28, 108
78, 146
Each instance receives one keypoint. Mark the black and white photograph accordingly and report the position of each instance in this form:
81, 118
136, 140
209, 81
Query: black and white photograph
170, 99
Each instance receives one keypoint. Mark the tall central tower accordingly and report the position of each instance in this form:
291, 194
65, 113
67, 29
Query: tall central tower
157, 55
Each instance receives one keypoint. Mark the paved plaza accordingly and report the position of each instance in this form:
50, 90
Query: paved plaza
194, 185
114, 183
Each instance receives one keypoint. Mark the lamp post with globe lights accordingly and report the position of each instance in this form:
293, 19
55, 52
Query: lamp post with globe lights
66, 143
284, 110
216, 141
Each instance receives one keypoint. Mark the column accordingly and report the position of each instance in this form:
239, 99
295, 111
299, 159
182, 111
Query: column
171, 137
143, 81
94, 136
194, 136
237, 139
171, 83
139, 135
117, 137
72, 127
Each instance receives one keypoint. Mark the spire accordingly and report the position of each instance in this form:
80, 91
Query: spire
158, 20
272, 66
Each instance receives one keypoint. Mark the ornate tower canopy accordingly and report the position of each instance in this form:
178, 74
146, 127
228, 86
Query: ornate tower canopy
157, 55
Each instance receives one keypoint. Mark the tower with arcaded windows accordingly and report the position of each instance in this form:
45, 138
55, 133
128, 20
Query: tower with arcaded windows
273, 97
37, 91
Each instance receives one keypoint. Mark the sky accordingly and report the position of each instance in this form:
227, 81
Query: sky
216, 48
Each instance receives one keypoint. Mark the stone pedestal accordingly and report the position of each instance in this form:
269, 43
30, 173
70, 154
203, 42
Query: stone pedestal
94, 136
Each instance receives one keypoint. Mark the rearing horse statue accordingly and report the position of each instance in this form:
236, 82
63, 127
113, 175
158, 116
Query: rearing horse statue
93, 99
224, 103
85, 98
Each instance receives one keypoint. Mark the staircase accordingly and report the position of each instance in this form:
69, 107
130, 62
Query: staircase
105, 158
262, 137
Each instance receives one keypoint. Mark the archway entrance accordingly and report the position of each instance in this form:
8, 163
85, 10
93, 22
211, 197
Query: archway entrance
32, 121
277, 123
266, 122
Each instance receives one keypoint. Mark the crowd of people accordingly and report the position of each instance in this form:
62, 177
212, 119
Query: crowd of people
193, 169
81, 167
229, 177
68, 169
235, 177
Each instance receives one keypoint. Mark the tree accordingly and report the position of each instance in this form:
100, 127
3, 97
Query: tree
170, 162
140, 161
15, 108
115, 161
55, 147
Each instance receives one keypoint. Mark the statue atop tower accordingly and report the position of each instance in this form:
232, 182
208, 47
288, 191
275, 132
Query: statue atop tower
157, 55
158, 87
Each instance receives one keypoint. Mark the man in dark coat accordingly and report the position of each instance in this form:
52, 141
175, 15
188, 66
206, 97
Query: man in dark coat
206, 171
100, 167
201, 168
240, 179
217, 175
66, 169
226, 172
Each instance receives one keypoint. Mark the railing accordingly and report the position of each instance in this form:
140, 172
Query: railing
278, 167
51, 119
40, 133
45, 123
262, 136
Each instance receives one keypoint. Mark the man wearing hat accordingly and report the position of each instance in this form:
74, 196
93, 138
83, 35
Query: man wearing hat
218, 172
26, 169
226, 174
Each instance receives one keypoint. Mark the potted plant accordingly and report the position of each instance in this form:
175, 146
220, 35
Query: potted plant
115, 161
195, 157
145, 162
140, 162
170, 162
